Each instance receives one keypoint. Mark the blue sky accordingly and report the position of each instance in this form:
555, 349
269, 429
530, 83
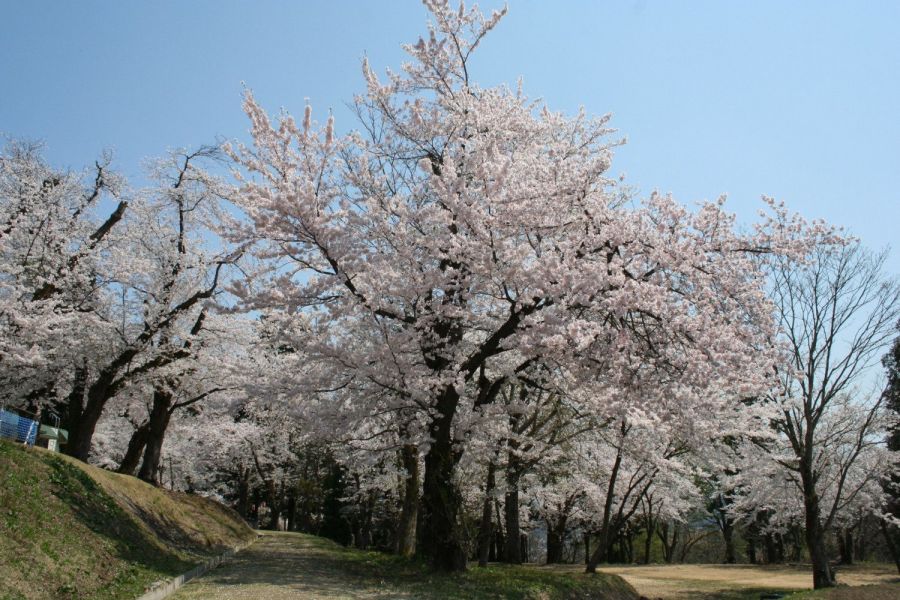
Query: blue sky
798, 100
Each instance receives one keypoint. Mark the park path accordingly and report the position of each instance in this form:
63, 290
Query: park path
282, 566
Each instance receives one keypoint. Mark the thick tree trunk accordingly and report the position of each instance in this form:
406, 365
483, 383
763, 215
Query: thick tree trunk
158, 423
728, 536
512, 551
406, 530
815, 536
486, 527
82, 433
441, 540
74, 406
291, 513
135, 450
556, 534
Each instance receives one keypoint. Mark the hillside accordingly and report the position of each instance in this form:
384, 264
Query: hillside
70, 531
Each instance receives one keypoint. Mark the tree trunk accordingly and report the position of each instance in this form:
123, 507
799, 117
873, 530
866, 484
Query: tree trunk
158, 423
82, 433
406, 531
486, 528
512, 553
603, 544
499, 539
272, 501
845, 544
291, 513
892, 539
135, 449
556, 534
243, 490
74, 405
728, 536
669, 545
648, 541
441, 540
815, 536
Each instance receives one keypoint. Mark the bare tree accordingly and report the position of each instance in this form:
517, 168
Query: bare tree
837, 314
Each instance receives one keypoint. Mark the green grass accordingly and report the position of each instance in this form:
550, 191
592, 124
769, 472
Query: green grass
64, 536
884, 591
493, 582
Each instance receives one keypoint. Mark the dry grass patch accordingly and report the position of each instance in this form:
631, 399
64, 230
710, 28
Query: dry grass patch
683, 582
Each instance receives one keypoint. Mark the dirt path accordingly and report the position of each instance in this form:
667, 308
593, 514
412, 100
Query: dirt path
281, 566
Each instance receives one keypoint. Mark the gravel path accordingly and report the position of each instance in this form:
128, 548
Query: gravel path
280, 566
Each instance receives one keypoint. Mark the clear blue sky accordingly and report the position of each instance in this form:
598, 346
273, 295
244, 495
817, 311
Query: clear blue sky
798, 100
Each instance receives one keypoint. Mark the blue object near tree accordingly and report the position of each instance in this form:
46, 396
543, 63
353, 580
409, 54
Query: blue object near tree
19, 428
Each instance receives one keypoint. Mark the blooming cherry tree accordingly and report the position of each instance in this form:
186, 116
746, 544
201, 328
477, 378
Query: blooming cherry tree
466, 233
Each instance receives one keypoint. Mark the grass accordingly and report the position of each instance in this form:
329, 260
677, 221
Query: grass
735, 582
69, 531
884, 591
283, 566
495, 581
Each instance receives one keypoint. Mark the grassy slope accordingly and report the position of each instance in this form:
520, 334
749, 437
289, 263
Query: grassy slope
71, 531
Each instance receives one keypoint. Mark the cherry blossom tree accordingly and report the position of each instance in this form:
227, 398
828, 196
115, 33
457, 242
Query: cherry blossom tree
56, 227
837, 313
164, 274
464, 233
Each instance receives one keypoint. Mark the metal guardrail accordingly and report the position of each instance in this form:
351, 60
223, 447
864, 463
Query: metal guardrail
19, 428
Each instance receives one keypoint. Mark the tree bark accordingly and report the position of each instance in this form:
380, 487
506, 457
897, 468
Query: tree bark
845, 545
815, 536
82, 432
243, 490
158, 423
406, 531
892, 539
441, 539
135, 450
728, 536
603, 544
556, 533
486, 527
669, 545
648, 541
512, 547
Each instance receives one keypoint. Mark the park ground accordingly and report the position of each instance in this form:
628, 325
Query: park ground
69, 531
281, 566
